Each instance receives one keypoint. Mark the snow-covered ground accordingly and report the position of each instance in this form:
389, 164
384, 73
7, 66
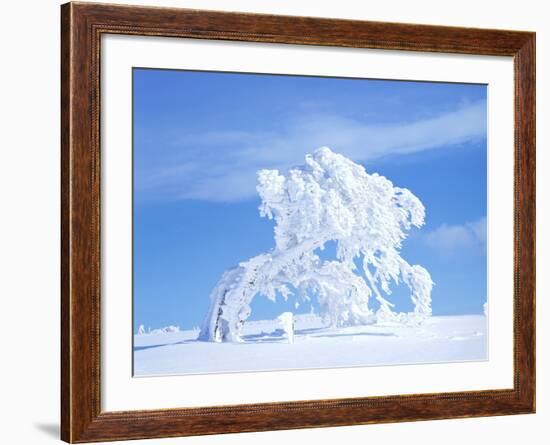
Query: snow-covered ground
265, 347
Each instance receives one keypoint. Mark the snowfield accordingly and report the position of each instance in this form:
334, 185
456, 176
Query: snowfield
265, 346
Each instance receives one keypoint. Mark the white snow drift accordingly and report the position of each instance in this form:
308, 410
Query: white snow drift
265, 346
330, 198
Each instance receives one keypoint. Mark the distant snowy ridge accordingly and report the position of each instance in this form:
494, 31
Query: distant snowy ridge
330, 198
299, 320
164, 330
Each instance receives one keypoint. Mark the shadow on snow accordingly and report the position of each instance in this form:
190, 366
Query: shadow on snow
278, 336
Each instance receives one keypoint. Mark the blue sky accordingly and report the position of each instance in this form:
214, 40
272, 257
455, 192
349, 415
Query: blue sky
200, 137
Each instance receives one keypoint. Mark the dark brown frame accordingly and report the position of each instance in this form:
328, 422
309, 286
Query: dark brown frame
82, 25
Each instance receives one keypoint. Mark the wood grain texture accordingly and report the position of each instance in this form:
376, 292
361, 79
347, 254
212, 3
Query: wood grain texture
81, 28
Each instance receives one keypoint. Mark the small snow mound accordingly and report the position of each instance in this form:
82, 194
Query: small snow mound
287, 321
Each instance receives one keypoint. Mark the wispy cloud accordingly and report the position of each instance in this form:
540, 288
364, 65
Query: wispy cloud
222, 165
450, 239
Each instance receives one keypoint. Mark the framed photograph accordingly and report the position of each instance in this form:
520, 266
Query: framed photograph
274, 222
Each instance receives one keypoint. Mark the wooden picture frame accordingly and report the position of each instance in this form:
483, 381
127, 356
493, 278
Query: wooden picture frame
82, 25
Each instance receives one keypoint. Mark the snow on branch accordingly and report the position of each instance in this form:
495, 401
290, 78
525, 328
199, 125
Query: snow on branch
330, 198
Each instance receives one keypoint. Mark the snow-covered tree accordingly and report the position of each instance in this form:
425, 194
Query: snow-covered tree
330, 198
